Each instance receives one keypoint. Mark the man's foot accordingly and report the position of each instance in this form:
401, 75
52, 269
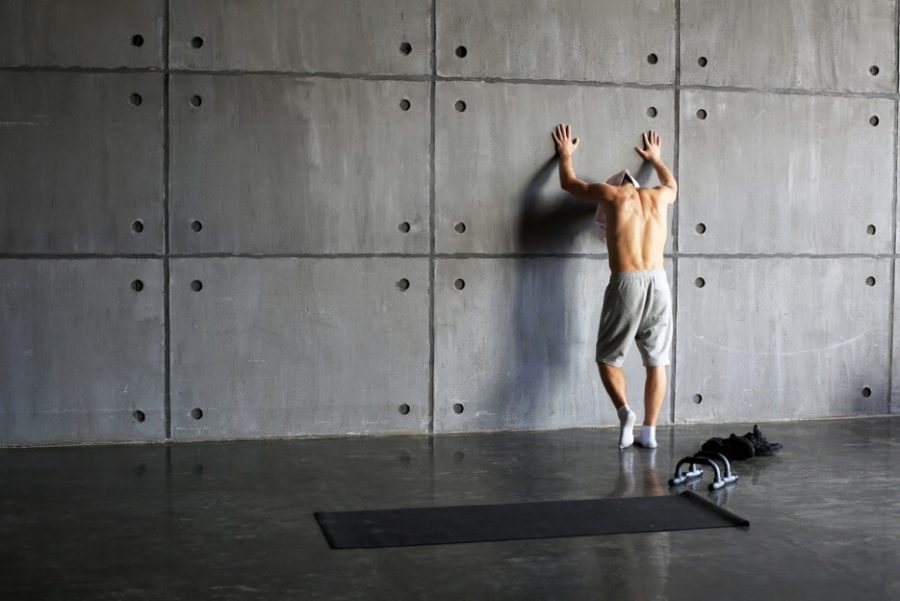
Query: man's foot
647, 437
626, 426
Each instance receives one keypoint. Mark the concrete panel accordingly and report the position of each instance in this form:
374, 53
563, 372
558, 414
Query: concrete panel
81, 160
285, 347
767, 339
572, 40
767, 173
516, 345
810, 44
86, 33
495, 165
350, 36
82, 350
276, 164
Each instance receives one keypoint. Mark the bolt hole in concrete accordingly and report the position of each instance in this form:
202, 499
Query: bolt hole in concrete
874, 69
652, 58
460, 227
702, 61
700, 228
870, 281
137, 40
196, 285
460, 106
197, 42
405, 104
867, 392
137, 285
196, 101
698, 398
404, 227
137, 226
404, 409
701, 114
459, 284
461, 51
699, 282
196, 226
873, 120
403, 284
458, 408
870, 230
196, 413
138, 416
405, 48
651, 112
135, 99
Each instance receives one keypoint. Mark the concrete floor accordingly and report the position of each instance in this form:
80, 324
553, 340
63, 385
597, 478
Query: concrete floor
234, 520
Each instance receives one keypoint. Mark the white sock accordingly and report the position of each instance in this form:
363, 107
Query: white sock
626, 426
647, 437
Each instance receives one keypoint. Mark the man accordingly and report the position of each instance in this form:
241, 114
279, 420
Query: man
637, 303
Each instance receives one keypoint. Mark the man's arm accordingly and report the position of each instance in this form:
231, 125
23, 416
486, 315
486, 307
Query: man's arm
651, 152
566, 146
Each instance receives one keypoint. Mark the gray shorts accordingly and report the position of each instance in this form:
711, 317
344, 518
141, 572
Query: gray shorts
636, 304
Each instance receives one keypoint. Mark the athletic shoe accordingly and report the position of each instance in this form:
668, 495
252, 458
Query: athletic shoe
733, 447
714, 445
761, 446
738, 447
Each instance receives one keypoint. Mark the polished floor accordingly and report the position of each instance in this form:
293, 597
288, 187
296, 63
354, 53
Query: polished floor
234, 520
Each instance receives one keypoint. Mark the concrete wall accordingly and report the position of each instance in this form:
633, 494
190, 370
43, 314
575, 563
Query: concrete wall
227, 219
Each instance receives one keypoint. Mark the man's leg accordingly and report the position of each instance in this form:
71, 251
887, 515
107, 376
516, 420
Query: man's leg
654, 393
613, 379
654, 340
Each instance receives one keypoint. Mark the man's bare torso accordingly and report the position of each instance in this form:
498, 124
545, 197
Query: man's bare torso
635, 228
635, 217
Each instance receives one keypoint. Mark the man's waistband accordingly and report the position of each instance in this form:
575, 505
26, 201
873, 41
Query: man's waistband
641, 275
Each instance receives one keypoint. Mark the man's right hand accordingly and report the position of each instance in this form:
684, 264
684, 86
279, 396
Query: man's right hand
652, 146
565, 144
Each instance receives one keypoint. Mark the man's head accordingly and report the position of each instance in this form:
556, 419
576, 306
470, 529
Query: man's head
623, 178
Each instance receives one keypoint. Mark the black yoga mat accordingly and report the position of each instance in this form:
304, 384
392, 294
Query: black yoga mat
475, 523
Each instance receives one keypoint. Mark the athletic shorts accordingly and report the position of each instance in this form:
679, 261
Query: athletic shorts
638, 305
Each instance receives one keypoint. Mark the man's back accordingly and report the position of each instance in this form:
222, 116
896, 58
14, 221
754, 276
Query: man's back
635, 228
635, 217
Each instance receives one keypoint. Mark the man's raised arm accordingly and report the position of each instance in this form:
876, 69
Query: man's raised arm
566, 146
651, 153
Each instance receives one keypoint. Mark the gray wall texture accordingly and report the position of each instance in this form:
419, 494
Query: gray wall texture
224, 219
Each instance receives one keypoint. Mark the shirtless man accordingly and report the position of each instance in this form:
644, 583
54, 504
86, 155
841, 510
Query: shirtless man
637, 303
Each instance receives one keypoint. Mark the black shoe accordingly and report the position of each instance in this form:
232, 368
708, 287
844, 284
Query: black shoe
738, 447
761, 446
714, 445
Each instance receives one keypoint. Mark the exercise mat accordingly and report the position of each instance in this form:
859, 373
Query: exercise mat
516, 521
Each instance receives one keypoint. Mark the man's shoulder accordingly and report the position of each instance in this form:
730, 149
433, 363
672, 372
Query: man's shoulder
659, 193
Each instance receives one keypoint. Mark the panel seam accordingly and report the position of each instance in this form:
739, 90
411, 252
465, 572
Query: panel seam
893, 292
431, 222
676, 147
167, 392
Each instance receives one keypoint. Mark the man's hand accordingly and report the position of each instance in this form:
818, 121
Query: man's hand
652, 146
562, 136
